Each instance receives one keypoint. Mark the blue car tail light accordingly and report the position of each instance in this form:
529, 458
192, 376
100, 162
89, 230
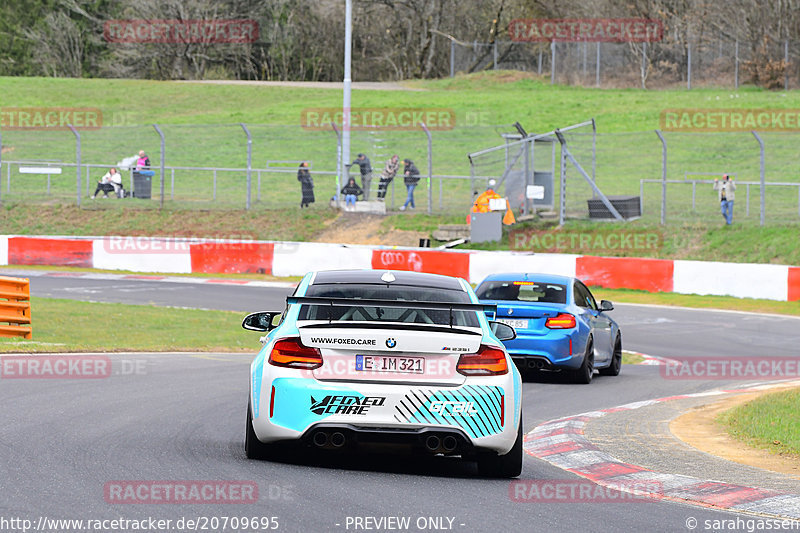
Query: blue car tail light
561, 321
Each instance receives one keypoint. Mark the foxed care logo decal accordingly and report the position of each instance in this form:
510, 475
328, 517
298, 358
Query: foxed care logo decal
452, 408
345, 404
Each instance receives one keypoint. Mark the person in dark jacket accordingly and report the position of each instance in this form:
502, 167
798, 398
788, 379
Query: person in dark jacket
366, 173
388, 174
351, 192
306, 185
410, 178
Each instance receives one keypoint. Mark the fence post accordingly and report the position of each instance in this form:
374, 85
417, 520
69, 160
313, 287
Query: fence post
562, 201
552, 62
736, 64
78, 158
452, 58
163, 163
663, 177
594, 150
249, 162
430, 166
494, 55
597, 66
644, 63
786, 62
763, 186
339, 162
539, 66
689, 65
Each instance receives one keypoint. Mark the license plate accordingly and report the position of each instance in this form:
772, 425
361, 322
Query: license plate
390, 363
514, 323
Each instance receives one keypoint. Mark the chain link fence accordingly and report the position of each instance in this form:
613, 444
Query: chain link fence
206, 167
704, 60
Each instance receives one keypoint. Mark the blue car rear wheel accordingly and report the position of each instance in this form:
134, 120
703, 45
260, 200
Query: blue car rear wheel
583, 375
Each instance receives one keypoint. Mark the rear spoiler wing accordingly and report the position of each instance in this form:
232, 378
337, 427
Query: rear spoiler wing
350, 302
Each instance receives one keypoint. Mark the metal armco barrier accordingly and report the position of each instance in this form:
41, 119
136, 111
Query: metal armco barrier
15, 307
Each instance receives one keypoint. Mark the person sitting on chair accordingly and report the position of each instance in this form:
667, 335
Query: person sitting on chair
110, 182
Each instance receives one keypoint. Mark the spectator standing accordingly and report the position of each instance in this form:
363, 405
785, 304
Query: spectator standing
351, 192
410, 178
306, 185
725, 190
143, 163
388, 174
366, 173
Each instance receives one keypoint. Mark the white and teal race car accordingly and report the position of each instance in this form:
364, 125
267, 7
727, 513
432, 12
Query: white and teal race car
362, 357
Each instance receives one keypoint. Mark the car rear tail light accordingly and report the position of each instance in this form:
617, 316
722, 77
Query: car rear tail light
487, 362
291, 353
561, 321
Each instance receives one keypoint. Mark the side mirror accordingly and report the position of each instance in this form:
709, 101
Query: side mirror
503, 332
261, 321
605, 305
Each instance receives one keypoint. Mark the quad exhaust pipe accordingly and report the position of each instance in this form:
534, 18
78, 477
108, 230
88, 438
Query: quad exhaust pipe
321, 439
441, 444
536, 364
449, 443
432, 443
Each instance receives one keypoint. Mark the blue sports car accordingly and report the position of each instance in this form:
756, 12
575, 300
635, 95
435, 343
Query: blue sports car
558, 323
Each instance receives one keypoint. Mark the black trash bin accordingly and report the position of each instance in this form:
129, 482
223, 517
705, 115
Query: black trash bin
142, 184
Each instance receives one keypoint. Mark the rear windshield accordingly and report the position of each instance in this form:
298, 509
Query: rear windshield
523, 291
399, 293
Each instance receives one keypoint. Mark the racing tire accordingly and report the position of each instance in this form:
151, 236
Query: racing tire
508, 465
616, 360
583, 375
253, 448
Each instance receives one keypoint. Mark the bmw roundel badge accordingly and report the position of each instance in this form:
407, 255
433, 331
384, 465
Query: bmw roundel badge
391, 343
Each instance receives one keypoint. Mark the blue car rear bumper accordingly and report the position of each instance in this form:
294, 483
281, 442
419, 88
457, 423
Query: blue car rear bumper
554, 351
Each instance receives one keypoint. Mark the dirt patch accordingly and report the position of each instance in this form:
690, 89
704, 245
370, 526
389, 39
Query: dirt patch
6, 149
698, 428
355, 228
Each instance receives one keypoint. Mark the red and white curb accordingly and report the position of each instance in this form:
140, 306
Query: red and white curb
653, 360
562, 443
154, 278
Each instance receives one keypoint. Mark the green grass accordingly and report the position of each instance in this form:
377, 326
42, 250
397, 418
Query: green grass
291, 224
200, 122
751, 305
70, 325
769, 422
630, 358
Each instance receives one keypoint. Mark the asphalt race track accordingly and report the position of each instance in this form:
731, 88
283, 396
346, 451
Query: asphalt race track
182, 416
